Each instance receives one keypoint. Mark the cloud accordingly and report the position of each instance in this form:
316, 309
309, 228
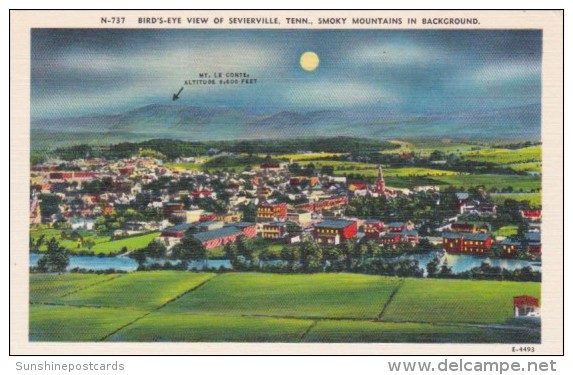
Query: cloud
506, 71
338, 94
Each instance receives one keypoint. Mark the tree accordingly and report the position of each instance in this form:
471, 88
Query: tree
189, 248
310, 254
445, 271
432, 267
139, 257
244, 247
56, 258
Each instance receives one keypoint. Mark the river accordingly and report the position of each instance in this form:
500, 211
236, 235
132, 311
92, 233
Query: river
459, 263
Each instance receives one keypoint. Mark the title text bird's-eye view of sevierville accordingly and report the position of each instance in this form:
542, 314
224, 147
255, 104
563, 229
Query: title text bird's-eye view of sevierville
359, 186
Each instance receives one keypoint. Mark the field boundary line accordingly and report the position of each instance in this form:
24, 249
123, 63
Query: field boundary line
310, 327
91, 285
158, 308
390, 298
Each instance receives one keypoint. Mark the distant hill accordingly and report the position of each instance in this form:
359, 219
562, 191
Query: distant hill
224, 123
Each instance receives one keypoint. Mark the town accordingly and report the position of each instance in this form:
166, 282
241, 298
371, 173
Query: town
158, 209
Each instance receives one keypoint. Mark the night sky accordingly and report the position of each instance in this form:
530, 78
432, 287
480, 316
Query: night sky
79, 72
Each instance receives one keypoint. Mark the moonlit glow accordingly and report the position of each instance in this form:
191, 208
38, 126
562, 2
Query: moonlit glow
309, 61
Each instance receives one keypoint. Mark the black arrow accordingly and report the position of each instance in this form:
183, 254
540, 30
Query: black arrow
176, 96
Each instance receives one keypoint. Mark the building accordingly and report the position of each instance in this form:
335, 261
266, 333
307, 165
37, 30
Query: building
218, 237
397, 227
406, 236
206, 226
170, 207
510, 247
525, 306
373, 228
332, 232
207, 216
230, 217
466, 243
299, 217
531, 215
248, 229
273, 230
173, 235
533, 240
470, 228
390, 238
379, 188
271, 211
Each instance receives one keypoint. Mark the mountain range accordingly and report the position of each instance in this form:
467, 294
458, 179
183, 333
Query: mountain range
223, 123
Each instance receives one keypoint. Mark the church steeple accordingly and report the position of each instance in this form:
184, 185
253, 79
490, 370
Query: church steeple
380, 180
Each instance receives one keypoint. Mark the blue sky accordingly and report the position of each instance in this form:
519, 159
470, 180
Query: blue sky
79, 72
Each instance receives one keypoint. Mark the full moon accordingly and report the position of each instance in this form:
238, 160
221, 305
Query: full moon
309, 61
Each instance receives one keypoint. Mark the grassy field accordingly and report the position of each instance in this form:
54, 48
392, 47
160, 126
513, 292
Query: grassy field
364, 331
140, 290
534, 199
506, 231
173, 327
48, 287
103, 244
131, 243
505, 156
461, 301
498, 181
65, 323
318, 295
250, 307
308, 156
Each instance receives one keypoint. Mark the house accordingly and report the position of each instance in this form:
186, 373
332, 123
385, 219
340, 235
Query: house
406, 236
399, 226
271, 211
533, 240
410, 236
510, 246
273, 230
207, 216
173, 235
525, 306
332, 232
470, 227
373, 228
248, 229
82, 223
390, 238
299, 217
218, 237
466, 243
230, 217
531, 215
170, 207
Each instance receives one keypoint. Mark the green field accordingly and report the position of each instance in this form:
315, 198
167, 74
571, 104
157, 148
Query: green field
533, 199
173, 327
362, 331
506, 231
318, 295
461, 301
48, 287
65, 323
498, 181
505, 156
251, 307
137, 290
103, 244
131, 243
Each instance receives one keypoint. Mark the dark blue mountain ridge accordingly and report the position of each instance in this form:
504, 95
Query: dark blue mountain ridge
218, 123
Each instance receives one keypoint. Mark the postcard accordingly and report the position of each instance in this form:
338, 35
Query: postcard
287, 182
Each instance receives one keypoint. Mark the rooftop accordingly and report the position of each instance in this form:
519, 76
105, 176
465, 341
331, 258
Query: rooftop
217, 233
334, 224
